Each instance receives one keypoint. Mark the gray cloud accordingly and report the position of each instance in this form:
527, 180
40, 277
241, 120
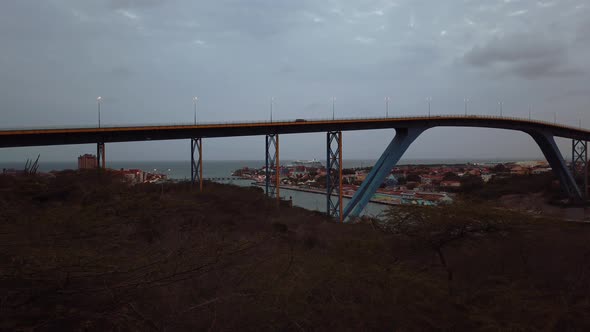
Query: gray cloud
127, 4
144, 58
525, 55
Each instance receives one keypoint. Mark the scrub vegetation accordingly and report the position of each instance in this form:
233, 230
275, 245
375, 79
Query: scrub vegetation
88, 251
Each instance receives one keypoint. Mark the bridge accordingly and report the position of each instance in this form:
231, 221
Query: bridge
407, 130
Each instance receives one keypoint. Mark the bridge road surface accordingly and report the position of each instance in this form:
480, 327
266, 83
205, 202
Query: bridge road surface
112, 134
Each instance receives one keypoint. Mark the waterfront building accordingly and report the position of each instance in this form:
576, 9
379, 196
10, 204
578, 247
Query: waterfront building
134, 175
87, 161
541, 170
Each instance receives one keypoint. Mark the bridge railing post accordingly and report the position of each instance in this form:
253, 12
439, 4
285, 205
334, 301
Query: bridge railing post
334, 175
197, 165
272, 165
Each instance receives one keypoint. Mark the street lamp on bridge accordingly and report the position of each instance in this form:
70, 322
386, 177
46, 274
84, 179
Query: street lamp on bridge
333, 107
98, 100
195, 100
429, 100
465, 100
387, 107
501, 105
272, 100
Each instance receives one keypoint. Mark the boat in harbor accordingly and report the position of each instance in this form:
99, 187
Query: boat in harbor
314, 163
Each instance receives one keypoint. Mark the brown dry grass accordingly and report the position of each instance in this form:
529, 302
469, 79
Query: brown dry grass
88, 252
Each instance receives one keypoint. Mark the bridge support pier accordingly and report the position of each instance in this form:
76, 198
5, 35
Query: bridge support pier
546, 142
100, 155
580, 164
390, 157
272, 164
334, 175
197, 165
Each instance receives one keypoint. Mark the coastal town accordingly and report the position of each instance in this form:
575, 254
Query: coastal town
428, 185
134, 176
89, 162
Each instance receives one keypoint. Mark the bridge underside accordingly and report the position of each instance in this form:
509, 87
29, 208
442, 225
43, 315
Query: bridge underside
404, 137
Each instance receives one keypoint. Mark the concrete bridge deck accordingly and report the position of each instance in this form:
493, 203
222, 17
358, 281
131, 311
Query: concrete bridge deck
111, 134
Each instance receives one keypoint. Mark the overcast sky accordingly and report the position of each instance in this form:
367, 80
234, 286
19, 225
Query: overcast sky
148, 58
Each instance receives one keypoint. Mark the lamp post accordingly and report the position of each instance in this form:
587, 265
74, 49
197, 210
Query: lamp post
429, 100
465, 100
272, 99
501, 104
387, 107
195, 100
333, 106
98, 100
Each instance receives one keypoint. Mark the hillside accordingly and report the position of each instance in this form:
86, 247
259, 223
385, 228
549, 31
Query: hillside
89, 252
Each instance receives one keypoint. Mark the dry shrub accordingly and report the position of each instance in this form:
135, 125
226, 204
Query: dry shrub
87, 251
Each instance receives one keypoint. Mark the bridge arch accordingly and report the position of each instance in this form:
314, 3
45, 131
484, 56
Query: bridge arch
405, 136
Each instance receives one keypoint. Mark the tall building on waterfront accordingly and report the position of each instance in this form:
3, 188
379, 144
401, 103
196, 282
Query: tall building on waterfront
87, 161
